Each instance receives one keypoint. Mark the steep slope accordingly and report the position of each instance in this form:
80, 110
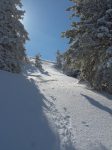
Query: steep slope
50, 111
23, 124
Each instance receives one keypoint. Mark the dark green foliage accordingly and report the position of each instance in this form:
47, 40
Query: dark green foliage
12, 36
59, 60
38, 62
91, 42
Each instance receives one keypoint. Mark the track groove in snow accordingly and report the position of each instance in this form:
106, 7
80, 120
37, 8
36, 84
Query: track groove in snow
62, 124
51, 111
81, 117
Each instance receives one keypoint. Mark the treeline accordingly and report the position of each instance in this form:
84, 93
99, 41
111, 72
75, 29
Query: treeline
90, 49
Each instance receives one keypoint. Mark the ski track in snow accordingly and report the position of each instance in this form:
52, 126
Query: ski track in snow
62, 125
53, 85
61, 121
57, 88
52, 112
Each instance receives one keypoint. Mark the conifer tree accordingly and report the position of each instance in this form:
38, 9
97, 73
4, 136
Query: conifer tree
91, 41
12, 35
59, 59
38, 62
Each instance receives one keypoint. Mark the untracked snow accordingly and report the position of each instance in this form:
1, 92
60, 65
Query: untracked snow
50, 111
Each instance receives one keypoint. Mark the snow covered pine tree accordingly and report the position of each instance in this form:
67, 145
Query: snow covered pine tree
12, 36
38, 62
91, 42
59, 59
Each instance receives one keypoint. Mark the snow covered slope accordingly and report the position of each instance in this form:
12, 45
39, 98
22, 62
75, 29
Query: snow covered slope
50, 111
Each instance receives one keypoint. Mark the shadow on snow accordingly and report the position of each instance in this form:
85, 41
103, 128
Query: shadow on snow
23, 124
97, 104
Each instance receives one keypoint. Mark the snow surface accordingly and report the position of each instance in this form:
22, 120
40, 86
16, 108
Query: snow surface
51, 111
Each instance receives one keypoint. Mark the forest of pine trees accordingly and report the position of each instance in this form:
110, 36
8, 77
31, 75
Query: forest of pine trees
90, 36
12, 36
91, 42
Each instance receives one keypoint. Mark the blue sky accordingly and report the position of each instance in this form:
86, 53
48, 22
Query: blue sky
44, 21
